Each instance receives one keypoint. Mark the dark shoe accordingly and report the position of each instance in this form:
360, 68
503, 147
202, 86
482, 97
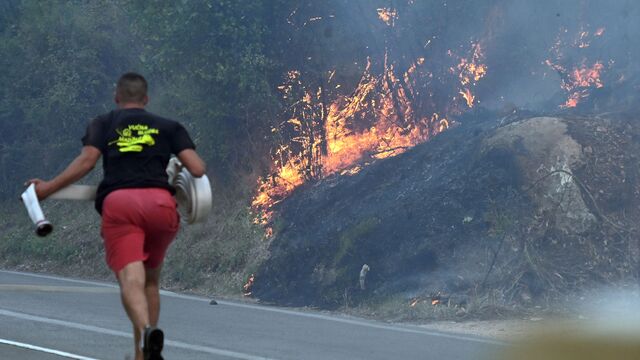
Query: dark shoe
153, 343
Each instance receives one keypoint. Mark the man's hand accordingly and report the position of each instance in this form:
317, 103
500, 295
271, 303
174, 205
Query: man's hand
78, 168
43, 188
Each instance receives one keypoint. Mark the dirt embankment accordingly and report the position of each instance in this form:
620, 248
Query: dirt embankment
496, 213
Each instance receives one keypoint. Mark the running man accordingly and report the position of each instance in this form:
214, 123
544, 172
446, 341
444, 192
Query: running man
139, 217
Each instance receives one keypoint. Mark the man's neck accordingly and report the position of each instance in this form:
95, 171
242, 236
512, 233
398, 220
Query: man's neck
131, 106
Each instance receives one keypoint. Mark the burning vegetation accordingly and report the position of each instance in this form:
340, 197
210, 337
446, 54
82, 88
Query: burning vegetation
329, 127
476, 198
577, 80
326, 132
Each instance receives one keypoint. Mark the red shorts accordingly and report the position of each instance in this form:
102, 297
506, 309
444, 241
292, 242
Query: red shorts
138, 225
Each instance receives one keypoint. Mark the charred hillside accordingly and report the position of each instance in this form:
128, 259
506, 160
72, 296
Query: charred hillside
517, 211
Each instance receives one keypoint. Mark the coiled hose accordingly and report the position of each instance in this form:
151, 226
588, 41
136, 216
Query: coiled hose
192, 194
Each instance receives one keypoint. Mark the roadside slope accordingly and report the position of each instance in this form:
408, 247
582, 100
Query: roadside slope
495, 213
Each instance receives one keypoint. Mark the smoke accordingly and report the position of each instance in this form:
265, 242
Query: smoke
526, 35
612, 308
518, 38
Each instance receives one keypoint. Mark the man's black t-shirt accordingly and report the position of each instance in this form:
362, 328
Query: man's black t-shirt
136, 147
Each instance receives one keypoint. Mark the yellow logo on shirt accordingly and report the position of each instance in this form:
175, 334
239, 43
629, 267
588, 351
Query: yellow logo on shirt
134, 137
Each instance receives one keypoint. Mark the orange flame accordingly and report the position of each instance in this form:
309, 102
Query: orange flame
387, 15
376, 121
585, 76
343, 145
470, 71
578, 81
444, 124
468, 96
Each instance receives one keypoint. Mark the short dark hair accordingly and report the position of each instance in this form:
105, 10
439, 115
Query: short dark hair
132, 87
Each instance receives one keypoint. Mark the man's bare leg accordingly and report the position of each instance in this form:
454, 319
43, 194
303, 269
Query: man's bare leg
132, 281
137, 338
152, 290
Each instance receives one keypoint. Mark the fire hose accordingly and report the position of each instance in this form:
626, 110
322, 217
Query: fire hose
193, 196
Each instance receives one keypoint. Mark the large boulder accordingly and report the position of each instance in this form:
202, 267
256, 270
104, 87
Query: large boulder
545, 152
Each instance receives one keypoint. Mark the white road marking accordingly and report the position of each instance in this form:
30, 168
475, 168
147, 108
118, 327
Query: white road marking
59, 278
45, 350
57, 288
344, 320
104, 331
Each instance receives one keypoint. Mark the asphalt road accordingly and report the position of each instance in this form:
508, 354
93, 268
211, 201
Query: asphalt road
46, 317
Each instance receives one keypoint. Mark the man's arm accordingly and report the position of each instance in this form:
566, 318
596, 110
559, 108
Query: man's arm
192, 161
76, 170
